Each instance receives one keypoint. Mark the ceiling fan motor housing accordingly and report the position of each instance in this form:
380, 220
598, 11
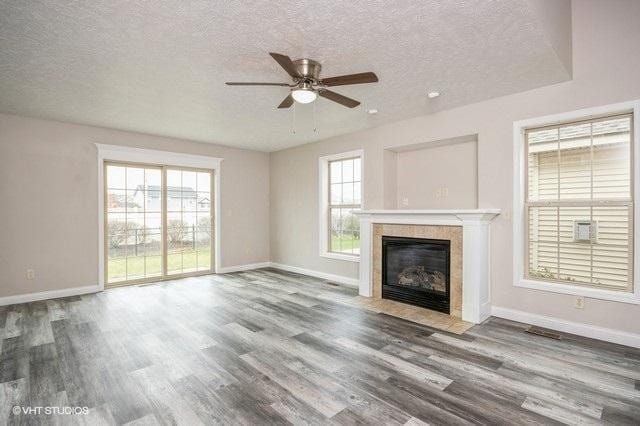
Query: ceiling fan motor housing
308, 69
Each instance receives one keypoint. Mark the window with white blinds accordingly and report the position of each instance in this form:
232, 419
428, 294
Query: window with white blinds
579, 203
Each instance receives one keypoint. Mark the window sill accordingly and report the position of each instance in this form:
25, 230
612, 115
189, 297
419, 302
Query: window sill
337, 256
593, 293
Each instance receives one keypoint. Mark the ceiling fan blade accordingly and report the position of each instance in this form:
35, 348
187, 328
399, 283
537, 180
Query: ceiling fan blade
238, 83
286, 63
336, 97
288, 101
342, 80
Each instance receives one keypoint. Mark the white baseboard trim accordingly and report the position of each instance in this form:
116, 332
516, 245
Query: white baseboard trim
76, 291
240, 268
585, 330
351, 282
51, 294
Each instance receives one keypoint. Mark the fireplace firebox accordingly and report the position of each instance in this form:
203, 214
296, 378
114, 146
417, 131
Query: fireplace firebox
416, 271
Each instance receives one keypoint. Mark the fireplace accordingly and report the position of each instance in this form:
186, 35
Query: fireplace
416, 271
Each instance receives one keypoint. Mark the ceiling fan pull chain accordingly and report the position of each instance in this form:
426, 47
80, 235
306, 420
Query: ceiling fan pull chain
315, 118
293, 120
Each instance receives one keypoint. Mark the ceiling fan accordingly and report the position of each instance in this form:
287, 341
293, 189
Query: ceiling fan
307, 84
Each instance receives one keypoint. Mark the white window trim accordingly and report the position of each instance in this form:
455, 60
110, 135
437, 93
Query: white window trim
519, 217
160, 158
323, 202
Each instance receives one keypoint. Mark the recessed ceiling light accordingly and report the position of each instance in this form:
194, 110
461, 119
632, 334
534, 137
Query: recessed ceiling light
372, 111
433, 94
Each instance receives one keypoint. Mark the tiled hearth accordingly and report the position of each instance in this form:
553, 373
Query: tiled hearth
412, 313
468, 233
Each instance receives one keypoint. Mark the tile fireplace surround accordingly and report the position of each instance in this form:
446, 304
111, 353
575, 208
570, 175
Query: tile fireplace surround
468, 231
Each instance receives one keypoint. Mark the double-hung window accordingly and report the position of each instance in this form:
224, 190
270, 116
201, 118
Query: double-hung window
579, 203
341, 199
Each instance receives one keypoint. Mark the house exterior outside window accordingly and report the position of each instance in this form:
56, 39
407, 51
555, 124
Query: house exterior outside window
574, 204
579, 203
340, 199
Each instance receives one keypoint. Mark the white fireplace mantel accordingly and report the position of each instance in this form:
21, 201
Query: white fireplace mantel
475, 223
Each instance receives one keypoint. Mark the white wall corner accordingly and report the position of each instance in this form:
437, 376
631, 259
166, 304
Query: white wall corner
555, 20
240, 268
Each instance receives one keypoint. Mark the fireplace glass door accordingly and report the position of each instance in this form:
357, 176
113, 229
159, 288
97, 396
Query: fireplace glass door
416, 271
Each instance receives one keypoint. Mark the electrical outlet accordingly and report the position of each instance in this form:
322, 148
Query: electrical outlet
442, 192
31, 274
579, 302
405, 201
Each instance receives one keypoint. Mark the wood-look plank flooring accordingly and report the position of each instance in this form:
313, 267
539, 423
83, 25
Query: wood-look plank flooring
269, 347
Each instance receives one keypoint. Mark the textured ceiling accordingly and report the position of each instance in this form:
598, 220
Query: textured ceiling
159, 67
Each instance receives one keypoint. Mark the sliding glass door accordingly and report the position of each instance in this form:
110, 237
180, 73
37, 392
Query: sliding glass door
158, 222
188, 221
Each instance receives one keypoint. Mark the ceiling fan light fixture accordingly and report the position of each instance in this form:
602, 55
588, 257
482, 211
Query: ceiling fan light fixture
307, 84
304, 94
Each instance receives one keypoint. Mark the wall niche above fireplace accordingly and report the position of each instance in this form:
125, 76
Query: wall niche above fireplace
416, 271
